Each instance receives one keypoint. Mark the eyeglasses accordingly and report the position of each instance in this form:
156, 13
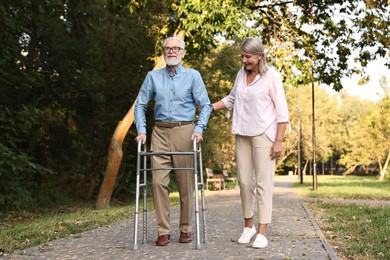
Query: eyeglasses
174, 49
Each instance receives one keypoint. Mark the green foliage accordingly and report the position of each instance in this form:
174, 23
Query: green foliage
327, 120
317, 35
365, 139
341, 26
201, 21
78, 67
19, 171
62, 99
15, 185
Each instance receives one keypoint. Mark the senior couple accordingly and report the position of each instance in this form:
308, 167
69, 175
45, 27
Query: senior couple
260, 119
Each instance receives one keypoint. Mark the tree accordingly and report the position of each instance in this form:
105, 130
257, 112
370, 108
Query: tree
64, 80
379, 129
356, 142
69, 70
367, 136
337, 27
327, 122
201, 21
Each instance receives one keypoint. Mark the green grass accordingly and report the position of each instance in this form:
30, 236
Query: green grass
344, 187
20, 230
19, 233
354, 231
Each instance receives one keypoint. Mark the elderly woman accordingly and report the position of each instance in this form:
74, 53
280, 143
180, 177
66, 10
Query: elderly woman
260, 119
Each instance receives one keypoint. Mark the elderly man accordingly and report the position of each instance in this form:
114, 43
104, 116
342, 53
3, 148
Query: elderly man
176, 92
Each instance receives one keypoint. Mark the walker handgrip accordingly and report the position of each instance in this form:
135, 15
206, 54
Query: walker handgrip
140, 144
195, 142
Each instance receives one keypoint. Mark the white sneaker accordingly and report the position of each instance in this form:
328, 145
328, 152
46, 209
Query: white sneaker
260, 241
246, 235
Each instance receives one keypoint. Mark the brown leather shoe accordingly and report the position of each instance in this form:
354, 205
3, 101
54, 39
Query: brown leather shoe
185, 237
163, 240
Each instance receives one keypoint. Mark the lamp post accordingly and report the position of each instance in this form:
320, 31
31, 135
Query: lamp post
300, 174
314, 138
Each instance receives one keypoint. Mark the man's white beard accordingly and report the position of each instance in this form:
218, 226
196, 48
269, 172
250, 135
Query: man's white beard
173, 62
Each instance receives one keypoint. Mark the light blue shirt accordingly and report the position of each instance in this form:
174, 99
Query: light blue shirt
176, 98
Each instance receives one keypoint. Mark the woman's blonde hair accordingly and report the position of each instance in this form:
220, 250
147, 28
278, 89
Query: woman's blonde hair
254, 46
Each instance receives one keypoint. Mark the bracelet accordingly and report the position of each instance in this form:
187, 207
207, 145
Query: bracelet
212, 108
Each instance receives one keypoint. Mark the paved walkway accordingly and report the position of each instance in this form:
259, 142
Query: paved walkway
293, 234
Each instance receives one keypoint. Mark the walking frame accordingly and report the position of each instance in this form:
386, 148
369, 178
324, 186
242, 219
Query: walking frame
197, 159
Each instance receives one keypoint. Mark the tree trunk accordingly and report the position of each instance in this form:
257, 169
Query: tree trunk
384, 169
114, 159
349, 170
281, 160
115, 149
331, 165
305, 167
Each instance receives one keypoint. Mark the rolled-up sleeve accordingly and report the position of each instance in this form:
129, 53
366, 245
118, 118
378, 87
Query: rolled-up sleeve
229, 100
201, 98
279, 98
144, 96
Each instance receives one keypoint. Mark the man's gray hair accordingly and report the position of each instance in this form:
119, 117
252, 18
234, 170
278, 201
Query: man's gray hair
183, 44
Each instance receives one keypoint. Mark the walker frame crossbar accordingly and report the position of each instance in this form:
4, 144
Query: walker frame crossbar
142, 156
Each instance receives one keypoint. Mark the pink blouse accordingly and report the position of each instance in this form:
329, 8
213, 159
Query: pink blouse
259, 106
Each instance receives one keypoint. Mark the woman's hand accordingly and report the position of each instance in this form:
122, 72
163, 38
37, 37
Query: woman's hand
276, 150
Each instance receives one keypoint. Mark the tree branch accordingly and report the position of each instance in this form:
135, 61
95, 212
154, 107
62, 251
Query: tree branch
270, 5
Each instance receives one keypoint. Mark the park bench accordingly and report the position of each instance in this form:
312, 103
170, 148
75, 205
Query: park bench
217, 180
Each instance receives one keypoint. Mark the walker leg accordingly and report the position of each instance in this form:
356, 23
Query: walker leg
145, 213
206, 240
195, 160
135, 245
137, 193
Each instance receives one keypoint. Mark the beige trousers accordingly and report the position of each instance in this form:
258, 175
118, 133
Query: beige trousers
256, 172
172, 140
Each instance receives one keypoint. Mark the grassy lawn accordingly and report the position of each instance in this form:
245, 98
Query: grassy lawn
20, 230
344, 187
354, 231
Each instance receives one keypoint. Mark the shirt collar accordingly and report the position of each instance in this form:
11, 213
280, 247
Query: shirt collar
177, 71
